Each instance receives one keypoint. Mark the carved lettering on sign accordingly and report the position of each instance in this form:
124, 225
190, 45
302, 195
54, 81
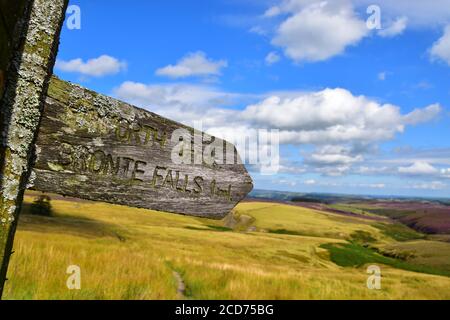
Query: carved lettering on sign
141, 134
95, 147
82, 160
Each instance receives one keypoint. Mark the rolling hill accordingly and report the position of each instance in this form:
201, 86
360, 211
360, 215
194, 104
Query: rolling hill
263, 250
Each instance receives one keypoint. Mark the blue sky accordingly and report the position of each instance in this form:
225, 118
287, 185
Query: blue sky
359, 110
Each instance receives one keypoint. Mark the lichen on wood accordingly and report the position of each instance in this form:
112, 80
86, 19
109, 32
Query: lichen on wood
34, 27
95, 147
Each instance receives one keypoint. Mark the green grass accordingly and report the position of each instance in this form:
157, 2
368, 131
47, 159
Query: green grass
355, 255
291, 232
348, 208
262, 251
391, 213
430, 253
219, 228
371, 210
362, 237
398, 231
210, 228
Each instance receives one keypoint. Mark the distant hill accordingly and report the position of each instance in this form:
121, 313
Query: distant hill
427, 215
336, 197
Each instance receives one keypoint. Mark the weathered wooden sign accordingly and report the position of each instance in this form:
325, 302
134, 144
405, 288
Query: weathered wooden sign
94, 147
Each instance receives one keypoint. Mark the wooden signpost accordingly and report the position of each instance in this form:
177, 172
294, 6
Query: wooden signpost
29, 35
94, 147
59, 137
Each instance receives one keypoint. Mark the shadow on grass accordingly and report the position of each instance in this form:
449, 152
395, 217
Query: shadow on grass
331, 235
65, 224
210, 228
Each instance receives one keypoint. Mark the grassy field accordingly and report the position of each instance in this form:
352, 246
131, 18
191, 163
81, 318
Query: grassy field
424, 216
262, 251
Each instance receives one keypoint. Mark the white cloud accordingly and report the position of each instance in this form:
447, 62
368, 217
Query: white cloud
258, 30
332, 116
183, 102
291, 169
333, 158
382, 76
334, 170
420, 13
326, 117
423, 85
377, 170
97, 67
434, 156
193, 64
271, 58
395, 29
310, 182
419, 168
434, 185
441, 48
167, 95
272, 12
377, 185
341, 127
333, 155
423, 115
445, 173
286, 182
318, 31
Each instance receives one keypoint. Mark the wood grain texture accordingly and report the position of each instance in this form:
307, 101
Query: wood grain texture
29, 38
94, 147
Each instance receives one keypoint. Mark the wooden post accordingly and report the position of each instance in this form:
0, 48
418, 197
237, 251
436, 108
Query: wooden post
29, 34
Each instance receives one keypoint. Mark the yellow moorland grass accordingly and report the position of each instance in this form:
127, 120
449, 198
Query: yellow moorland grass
431, 253
128, 253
